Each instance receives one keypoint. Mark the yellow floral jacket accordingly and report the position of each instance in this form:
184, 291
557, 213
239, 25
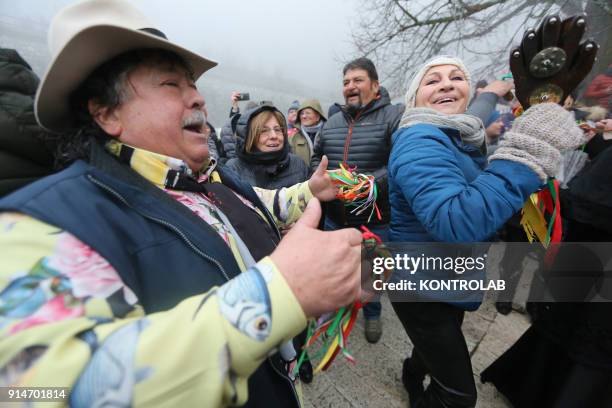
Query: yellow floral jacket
58, 325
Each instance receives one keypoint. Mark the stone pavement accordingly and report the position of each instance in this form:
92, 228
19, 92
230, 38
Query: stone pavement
375, 380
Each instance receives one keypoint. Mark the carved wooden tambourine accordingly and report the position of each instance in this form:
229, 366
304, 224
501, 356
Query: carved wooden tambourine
551, 61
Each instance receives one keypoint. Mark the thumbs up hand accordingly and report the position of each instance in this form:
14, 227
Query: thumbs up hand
322, 268
321, 184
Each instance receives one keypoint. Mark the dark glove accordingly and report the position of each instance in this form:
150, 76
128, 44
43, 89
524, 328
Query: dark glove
381, 180
551, 62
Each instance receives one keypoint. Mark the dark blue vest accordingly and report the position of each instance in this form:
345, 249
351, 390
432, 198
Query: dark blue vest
161, 250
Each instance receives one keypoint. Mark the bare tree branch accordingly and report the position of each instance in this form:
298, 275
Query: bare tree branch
405, 11
466, 12
399, 35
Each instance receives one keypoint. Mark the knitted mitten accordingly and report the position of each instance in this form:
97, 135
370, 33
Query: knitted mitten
538, 136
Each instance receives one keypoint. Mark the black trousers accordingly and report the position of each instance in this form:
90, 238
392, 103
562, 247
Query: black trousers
440, 351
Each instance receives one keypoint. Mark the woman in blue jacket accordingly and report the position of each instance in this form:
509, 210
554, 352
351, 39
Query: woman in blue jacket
442, 190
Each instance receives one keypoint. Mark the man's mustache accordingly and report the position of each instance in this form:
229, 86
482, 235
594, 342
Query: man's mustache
196, 118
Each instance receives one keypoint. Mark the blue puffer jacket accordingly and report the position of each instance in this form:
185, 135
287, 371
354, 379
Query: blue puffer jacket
441, 191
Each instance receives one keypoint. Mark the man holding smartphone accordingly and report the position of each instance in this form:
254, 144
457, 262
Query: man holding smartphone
237, 97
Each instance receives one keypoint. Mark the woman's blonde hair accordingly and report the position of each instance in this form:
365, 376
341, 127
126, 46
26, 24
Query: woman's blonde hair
257, 125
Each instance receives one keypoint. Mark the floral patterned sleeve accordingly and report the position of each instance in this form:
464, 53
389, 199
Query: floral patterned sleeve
286, 204
68, 320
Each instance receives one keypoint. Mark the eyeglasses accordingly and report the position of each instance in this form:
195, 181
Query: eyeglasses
277, 130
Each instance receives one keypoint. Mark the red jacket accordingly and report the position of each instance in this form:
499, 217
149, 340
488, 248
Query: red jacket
601, 89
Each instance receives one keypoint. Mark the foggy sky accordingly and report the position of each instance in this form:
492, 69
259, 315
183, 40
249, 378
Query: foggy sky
262, 45
300, 39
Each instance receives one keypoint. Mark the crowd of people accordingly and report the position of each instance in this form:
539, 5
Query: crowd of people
147, 260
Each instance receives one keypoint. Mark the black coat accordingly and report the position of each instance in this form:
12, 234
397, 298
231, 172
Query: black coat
568, 349
266, 170
24, 155
215, 148
369, 145
290, 171
228, 137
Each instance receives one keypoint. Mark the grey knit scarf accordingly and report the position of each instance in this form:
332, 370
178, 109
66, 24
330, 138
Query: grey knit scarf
470, 127
313, 129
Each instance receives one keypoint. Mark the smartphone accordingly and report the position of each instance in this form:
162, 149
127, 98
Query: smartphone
244, 97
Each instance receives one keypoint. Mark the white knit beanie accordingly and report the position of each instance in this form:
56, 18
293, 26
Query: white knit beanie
439, 60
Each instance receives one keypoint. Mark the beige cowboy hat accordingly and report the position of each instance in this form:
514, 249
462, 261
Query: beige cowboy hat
84, 36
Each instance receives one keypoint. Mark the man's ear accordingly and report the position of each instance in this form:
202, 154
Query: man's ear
105, 117
376, 86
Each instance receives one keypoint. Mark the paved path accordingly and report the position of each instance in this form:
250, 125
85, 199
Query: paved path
375, 381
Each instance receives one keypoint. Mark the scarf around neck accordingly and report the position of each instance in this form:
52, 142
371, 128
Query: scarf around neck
470, 127
273, 159
161, 170
313, 130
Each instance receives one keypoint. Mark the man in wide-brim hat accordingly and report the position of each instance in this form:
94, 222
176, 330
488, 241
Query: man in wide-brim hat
142, 273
